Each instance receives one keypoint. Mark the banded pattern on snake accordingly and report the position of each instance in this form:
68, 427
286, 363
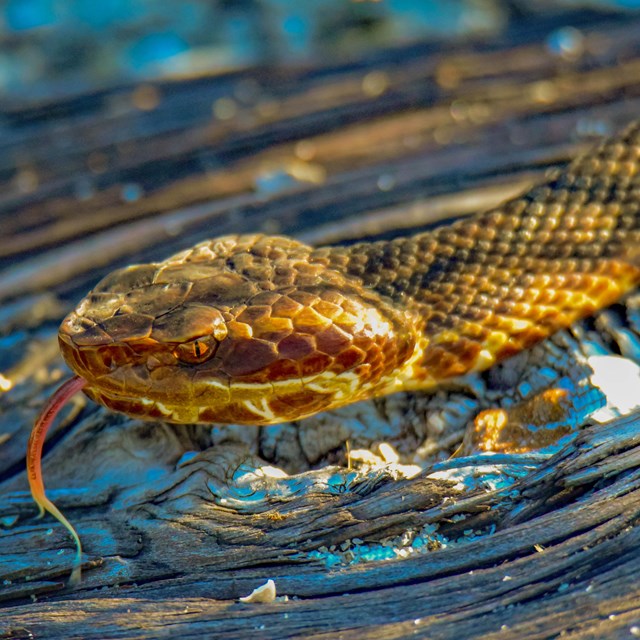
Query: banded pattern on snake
259, 330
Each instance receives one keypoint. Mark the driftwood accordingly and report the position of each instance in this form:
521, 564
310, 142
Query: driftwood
385, 146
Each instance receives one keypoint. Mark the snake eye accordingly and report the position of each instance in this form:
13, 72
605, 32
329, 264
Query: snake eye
196, 351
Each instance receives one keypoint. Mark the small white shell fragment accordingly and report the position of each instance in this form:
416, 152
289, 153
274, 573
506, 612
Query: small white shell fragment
365, 456
265, 593
408, 470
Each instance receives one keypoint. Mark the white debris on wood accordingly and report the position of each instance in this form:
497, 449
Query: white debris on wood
619, 379
263, 594
388, 453
387, 460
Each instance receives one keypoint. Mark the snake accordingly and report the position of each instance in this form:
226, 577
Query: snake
258, 329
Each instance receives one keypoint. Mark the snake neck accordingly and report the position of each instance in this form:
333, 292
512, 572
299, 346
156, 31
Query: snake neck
486, 287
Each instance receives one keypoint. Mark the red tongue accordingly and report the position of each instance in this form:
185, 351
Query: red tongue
34, 459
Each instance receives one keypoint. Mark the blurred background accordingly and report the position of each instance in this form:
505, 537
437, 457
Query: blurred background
301, 117
57, 48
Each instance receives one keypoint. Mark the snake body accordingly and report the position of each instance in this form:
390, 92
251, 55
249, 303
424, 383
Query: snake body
254, 329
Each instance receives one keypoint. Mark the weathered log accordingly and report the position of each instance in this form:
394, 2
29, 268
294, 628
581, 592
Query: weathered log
172, 538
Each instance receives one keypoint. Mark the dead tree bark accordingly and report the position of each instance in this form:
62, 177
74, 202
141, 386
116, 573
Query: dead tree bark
389, 146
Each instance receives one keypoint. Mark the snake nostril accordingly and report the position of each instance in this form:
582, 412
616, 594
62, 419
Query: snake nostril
123, 310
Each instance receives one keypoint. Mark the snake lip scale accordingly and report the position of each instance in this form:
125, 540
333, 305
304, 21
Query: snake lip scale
256, 329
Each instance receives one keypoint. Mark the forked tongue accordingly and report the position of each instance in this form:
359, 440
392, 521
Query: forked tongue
34, 462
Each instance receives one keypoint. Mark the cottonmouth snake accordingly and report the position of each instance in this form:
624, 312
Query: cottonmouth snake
255, 329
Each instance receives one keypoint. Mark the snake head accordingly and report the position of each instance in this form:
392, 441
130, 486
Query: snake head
243, 329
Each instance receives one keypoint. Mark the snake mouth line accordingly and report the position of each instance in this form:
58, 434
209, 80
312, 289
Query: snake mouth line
142, 407
238, 402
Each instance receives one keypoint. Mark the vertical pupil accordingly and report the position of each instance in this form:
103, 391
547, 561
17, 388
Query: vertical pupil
197, 350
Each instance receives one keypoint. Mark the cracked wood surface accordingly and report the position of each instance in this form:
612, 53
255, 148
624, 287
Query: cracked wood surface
457, 129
